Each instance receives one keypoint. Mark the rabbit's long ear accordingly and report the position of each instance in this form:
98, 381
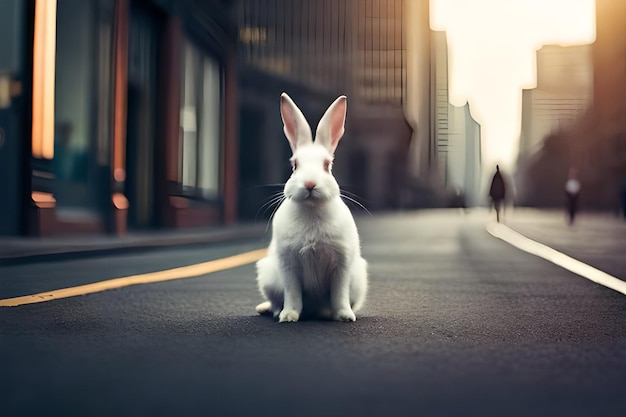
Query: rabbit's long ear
331, 127
296, 128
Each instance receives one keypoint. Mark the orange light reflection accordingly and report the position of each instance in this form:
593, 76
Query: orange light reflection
44, 51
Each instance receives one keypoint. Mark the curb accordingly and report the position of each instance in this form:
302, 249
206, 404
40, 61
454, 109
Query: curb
64, 250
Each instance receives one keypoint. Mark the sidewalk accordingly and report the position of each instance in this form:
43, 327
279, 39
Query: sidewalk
598, 239
29, 249
594, 238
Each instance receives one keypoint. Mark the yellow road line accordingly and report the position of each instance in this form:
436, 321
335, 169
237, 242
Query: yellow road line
151, 277
574, 265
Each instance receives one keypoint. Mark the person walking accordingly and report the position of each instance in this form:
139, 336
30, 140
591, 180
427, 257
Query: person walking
497, 192
572, 192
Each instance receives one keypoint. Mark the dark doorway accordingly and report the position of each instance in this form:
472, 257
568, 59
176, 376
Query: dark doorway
11, 171
142, 118
359, 171
252, 193
13, 138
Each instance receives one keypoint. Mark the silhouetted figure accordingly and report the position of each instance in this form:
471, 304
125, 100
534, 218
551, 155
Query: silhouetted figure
572, 192
497, 192
622, 199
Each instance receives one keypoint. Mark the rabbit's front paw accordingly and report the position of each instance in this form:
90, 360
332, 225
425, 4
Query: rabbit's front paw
287, 316
344, 314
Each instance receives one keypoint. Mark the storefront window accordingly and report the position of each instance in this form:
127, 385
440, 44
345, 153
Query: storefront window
73, 104
201, 127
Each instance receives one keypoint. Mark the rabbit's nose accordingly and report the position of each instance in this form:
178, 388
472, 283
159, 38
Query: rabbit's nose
309, 185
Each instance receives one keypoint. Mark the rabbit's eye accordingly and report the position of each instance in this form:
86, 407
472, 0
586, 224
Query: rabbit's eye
327, 165
294, 165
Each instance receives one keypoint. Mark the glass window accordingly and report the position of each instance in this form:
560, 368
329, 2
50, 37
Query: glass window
200, 124
73, 104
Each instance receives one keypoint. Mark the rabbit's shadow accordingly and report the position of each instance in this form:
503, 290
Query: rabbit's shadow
264, 325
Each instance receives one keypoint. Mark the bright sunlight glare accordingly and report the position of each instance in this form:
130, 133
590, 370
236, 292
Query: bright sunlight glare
491, 50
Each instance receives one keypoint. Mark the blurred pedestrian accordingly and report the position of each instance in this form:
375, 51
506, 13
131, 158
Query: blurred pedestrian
572, 193
497, 192
622, 198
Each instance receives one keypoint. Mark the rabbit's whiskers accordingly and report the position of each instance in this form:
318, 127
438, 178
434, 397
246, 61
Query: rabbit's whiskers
343, 195
274, 202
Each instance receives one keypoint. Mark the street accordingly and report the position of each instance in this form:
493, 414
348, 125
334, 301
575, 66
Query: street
457, 323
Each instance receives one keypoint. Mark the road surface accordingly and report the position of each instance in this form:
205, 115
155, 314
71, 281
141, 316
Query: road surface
457, 323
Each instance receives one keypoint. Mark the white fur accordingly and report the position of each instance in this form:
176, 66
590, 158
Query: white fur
314, 262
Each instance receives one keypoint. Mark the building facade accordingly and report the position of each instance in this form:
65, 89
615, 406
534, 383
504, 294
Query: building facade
441, 107
316, 51
464, 156
455, 135
120, 114
595, 144
562, 94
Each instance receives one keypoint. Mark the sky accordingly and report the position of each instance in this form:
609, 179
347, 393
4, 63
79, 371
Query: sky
491, 52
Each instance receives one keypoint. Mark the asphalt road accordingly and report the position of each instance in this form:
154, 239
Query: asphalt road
458, 323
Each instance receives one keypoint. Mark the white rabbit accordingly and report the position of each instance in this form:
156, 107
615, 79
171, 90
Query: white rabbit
313, 265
